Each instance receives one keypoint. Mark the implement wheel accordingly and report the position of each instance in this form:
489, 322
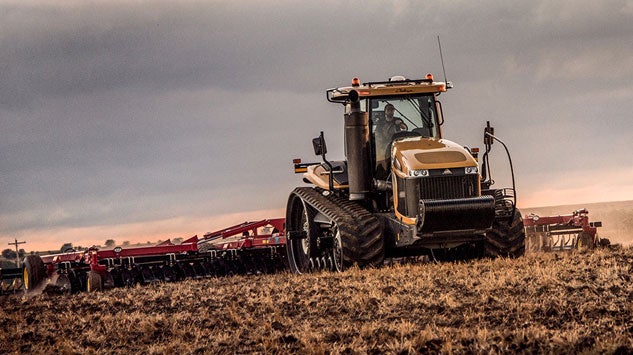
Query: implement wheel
506, 239
33, 272
93, 281
585, 241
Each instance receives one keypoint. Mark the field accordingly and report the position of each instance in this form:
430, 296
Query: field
569, 302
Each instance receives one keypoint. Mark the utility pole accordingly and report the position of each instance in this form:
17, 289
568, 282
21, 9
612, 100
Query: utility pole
17, 254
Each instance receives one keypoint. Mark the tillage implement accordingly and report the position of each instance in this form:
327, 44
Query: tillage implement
246, 248
563, 232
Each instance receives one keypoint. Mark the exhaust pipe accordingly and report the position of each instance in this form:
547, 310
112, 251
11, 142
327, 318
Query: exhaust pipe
357, 149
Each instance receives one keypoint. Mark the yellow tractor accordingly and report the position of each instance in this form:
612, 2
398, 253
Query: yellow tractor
403, 189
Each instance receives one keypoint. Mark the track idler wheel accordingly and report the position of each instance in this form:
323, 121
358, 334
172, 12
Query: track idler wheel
321, 264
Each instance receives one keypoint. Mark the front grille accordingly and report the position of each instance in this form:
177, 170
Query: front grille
448, 187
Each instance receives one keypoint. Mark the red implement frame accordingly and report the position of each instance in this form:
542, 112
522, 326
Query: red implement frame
246, 235
249, 247
563, 232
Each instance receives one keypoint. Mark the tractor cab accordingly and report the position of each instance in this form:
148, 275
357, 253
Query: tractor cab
398, 109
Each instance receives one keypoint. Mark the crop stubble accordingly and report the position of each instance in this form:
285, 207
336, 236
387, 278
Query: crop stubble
564, 302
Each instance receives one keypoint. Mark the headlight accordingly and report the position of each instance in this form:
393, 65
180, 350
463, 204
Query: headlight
471, 170
419, 173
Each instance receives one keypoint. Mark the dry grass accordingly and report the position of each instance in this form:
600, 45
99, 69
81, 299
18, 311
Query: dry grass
576, 302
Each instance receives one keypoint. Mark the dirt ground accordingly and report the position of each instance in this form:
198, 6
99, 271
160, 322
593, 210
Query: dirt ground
562, 303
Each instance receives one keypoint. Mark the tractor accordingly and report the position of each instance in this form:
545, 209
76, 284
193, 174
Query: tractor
403, 191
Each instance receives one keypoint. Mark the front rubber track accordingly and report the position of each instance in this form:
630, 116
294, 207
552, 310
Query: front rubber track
361, 233
506, 239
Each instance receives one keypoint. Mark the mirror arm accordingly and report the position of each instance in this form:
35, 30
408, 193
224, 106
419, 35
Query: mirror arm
323, 152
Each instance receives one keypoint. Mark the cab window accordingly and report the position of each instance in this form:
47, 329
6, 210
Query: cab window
390, 116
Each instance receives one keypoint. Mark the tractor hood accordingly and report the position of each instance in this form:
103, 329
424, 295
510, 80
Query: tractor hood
428, 153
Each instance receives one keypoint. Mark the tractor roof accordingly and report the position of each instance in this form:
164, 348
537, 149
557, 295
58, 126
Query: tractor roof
398, 87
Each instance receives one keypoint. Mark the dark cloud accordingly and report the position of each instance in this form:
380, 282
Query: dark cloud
126, 112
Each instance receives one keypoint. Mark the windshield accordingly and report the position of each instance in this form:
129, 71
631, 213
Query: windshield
414, 114
411, 115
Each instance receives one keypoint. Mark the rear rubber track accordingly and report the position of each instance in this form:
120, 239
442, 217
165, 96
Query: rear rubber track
360, 232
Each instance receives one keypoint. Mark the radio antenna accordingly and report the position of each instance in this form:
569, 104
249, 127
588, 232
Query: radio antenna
439, 44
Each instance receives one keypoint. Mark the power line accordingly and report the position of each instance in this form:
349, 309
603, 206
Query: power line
17, 254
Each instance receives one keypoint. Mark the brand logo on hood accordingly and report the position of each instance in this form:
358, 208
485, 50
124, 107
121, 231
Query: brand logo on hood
447, 172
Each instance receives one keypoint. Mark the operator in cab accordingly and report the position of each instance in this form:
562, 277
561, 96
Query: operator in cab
384, 131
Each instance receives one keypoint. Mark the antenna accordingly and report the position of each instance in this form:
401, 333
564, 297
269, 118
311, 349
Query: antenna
439, 44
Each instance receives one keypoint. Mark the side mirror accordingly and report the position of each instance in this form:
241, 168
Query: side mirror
319, 145
488, 130
440, 113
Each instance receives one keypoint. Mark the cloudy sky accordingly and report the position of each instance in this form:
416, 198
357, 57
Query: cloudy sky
137, 120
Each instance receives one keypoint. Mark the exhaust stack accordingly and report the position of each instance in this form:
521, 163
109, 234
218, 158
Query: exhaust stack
357, 149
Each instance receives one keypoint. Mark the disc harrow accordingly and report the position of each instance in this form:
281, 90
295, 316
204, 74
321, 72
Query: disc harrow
563, 232
247, 248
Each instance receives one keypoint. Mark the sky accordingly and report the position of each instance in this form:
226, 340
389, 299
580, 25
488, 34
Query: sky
139, 120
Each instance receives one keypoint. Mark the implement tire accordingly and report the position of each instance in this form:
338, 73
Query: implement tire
585, 241
93, 281
33, 271
506, 239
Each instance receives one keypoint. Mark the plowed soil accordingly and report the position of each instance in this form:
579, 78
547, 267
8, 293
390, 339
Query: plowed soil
562, 303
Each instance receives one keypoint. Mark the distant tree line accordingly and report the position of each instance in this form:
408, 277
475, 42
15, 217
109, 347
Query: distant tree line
10, 254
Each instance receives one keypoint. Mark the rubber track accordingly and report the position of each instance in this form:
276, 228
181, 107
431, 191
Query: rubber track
361, 233
506, 240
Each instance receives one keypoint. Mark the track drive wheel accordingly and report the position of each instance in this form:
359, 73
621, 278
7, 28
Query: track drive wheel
33, 272
93, 281
300, 250
506, 239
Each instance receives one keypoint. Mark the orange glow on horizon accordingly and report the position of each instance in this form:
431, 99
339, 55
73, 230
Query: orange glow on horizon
588, 186
142, 232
